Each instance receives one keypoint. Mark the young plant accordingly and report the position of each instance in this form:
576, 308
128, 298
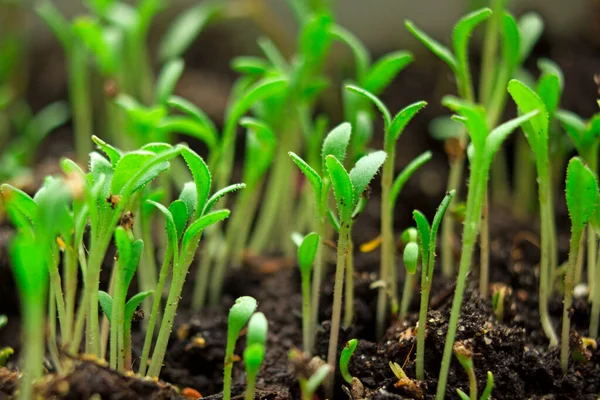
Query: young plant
410, 258
335, 143
484, 145
123, 351
255, 350
393, 128
345, 357
582, 200
309, 377
307, 251
536, 132
239, 314
187, 218
427, 244
464, 355
459, 64
348, 189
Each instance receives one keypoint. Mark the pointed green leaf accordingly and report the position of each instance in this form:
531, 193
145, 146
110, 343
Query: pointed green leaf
474, 119
196, 228
180, 215
114, 154
56, 22
248, 65
106, 303
336, 142
385, 70
46, 120
202, 179
536, 130
187, 126
187, 107
133, 303
581, 192
167, 80
362, 59
186, 28
311, 174
129, 253
405, 175
434, 46
17, 201
575, 127
498, 135
129, 167
461, 35
89, 32
364, 171
387, 118
342, 188
29, 268
510, 45
306, 254
170, 225
317, 378
189, 197
220, 193
424, 235
402, 119
435, 224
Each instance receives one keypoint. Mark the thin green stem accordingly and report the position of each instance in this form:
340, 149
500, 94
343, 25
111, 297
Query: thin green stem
127, 364
424, 305
250, 388
387, 240
349, 287
490, 50
52, 342
306, 317
116, 309
105, 327
164, 270
70, 273
33, 308
568, 300
478, 179
146, 272
317, 276
454, 182
484, 256
342, 252
592, 249
579, 266
56, 284
407, 292
595, 316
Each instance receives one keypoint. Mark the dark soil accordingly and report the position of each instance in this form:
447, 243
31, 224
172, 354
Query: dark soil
514, 349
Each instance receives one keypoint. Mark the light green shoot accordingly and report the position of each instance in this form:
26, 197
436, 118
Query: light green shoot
345, 357
239, 314
348, 189
427, 244
307, 251
582, 200
484, 145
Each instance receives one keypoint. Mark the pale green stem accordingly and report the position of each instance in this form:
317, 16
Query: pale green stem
478, 179
56, 284
127, 364
349, 287
317, 276
306, 317
592, 249
116, 309
569, 277
423, 306
579, 267
52, 346
105, 327
484, 256
250, 388
387, 241
70, 272
336, 316
407, 292
146, 272
33, 334
164, 270
595, 316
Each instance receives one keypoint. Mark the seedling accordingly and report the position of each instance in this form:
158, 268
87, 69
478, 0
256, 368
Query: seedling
464, 356
309, 376
393, 128
484, 145
498, 300
427, 244
410, 386
582, 200
410, 257
307, 251
348, 189
347, 353
335, 143
123, 350
255, 351
187, 218
536, 132
239, 314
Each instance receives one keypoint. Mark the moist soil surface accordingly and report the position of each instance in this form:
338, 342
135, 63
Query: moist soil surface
513, 347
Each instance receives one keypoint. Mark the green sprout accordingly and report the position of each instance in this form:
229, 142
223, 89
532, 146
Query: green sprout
336, 144
307, 251
255, 350
187, 218
410, 258
239, 314
348, 189
427, 244
536, 132
582, 200
484, 145
393, 128
464, 356
345, 357
309, 376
